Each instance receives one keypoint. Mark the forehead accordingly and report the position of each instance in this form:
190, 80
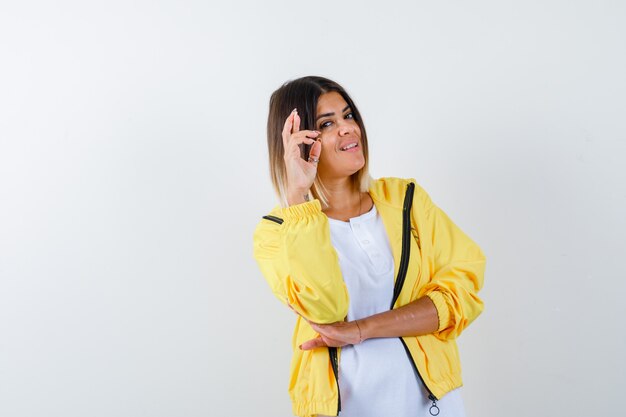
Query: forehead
330, 102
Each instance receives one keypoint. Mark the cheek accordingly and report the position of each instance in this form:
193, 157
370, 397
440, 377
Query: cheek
328, 148
328, 157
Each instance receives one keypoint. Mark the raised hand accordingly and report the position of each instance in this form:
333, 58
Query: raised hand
300, 173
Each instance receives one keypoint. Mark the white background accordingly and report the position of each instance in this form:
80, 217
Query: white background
133, 169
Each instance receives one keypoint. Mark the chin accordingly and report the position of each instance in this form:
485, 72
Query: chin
344, 168
358, 166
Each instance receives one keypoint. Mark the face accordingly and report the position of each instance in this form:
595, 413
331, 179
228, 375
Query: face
339, 129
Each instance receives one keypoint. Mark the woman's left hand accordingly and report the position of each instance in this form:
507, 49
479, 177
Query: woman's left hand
336, 334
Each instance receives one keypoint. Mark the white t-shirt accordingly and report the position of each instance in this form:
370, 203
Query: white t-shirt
376, 377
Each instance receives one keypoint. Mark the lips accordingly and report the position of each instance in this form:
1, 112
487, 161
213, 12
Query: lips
349, 145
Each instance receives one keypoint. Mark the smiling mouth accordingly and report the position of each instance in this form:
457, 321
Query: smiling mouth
349, 147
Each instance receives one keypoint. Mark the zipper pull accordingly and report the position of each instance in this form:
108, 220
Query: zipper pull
433, 410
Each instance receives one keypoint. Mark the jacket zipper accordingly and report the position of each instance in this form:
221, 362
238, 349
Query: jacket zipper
434, 410
402, 270
332, 352
406, 247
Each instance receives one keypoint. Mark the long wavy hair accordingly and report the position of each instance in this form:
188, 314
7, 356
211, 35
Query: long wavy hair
303, 94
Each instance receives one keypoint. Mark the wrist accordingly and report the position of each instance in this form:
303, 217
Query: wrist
297, 197
359, 329
366, 326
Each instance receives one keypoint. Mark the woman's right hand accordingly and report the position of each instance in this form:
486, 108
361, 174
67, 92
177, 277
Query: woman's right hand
300, 173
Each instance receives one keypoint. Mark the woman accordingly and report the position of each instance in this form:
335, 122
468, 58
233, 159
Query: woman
381, 279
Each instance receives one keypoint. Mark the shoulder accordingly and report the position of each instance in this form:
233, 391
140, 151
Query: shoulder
275, 211
392, 190
269, 222
297, 216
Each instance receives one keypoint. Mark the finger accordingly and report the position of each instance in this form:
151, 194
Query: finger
287, 127
292, 149
309, 133
293, 153
313, 343
296, 122
292, 309
303, 137
321, 329
315, 325
316, 149
295, 311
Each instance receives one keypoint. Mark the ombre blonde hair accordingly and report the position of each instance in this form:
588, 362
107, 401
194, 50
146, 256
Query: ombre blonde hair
303, 94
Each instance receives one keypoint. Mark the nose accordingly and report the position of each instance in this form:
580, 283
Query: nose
345, 128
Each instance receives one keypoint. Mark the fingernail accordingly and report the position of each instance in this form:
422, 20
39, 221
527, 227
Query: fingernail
300, 347
294, 110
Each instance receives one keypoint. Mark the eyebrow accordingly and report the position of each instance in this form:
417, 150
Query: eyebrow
330, 114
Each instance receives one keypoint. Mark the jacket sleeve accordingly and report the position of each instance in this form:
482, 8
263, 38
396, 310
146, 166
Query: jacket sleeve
300, 264
458, 267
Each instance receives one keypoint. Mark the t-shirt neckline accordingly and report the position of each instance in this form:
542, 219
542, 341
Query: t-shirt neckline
358, 219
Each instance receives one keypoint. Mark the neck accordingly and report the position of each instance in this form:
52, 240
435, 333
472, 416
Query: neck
341, 195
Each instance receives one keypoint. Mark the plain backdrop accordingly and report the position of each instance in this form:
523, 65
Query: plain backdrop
133, 170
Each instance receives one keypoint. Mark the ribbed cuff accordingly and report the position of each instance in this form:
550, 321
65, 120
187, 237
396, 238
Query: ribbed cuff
442, 309
302, 210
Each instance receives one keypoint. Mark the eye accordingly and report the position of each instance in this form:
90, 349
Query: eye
348, 115
325, 124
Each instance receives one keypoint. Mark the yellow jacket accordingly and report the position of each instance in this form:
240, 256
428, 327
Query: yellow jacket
432, 257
